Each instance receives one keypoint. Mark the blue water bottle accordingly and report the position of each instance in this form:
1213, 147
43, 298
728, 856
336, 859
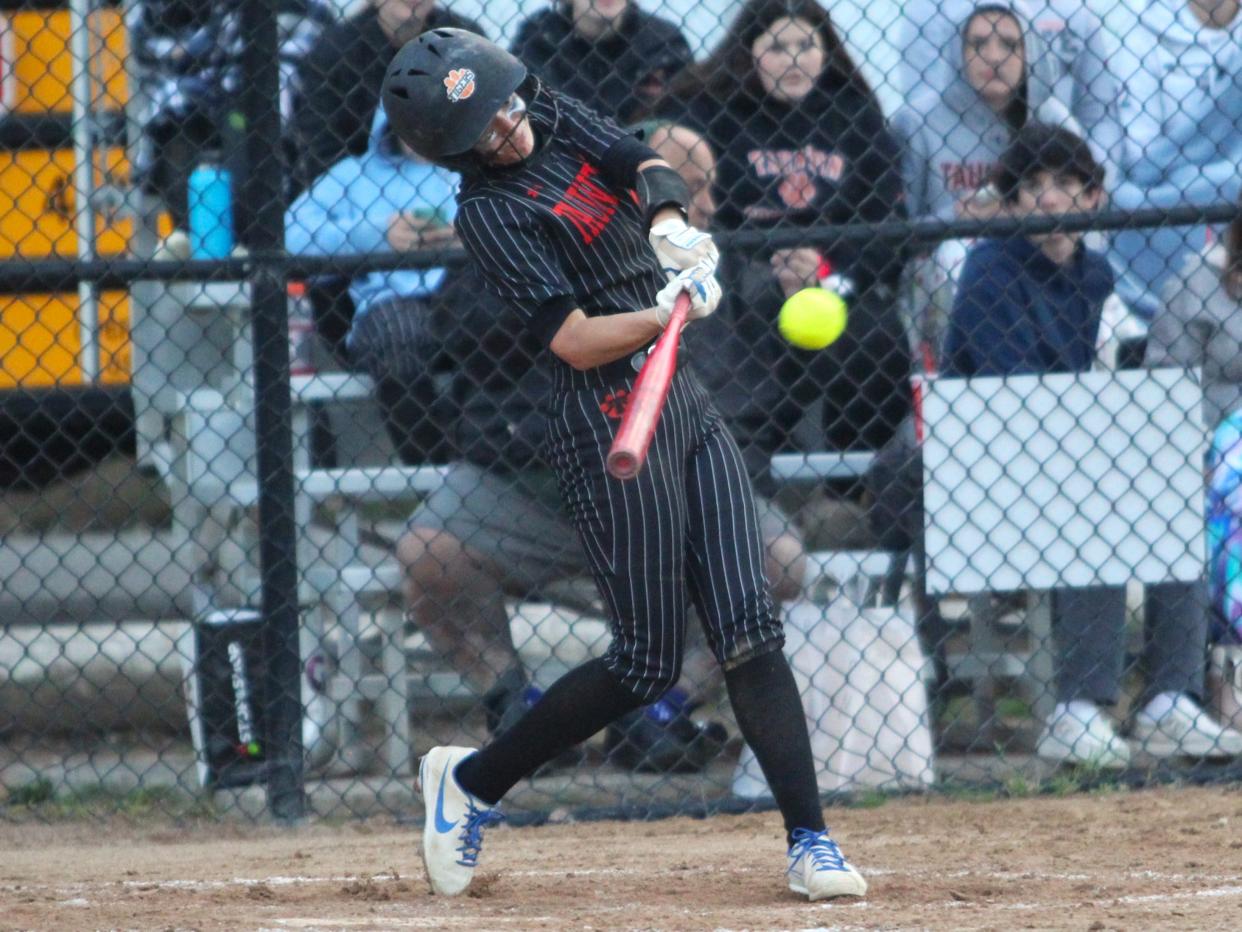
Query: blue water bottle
210, 201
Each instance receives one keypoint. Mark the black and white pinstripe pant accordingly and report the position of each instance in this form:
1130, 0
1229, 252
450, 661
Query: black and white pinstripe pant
394, 338
687, 525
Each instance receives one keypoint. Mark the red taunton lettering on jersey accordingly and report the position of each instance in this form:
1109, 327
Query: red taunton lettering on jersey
586, 205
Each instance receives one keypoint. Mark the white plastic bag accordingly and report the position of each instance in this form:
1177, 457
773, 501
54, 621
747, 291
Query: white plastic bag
860, 673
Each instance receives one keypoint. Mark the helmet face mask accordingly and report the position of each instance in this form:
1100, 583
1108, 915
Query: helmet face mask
502, 141
444, 88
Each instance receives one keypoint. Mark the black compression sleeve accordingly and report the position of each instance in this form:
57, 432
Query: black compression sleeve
620, 163
657, 186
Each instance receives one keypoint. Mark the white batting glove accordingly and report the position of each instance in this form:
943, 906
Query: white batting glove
702, 286
679, 246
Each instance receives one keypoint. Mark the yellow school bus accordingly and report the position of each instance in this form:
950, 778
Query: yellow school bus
39, 333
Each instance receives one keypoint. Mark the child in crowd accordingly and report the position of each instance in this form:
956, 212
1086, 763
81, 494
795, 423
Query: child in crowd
1032, 303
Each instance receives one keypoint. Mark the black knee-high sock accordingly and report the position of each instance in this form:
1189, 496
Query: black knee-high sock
577, 705
769, 714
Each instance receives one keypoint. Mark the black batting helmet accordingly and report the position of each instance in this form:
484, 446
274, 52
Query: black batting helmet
444, 87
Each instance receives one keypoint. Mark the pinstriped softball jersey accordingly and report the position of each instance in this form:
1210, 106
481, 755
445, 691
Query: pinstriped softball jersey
550, 235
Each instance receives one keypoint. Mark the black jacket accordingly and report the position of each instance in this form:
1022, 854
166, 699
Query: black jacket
618, 75
829, 159
340, 88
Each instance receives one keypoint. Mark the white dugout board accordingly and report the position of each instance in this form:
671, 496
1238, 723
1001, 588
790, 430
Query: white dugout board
1063, 480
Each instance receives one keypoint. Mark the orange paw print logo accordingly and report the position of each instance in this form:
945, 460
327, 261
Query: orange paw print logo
797, 190
459, 84
614, 403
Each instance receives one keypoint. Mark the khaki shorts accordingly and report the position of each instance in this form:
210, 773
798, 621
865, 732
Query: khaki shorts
516, 520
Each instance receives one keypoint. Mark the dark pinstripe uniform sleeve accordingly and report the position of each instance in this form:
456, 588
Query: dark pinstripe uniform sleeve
592, 133
518, 261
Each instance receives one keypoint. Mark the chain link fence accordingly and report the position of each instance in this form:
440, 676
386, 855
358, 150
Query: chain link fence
276, 517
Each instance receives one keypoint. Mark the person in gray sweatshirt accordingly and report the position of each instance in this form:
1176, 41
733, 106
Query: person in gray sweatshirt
953, 136
1072, 57
952, 140
1199, 325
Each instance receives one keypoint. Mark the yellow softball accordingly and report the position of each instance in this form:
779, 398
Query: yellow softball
812, 318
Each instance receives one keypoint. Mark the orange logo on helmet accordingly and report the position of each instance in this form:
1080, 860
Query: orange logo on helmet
460, 84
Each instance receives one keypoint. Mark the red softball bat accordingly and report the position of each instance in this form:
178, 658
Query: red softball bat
642, 413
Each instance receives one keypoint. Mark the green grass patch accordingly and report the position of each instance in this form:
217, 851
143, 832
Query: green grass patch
870, 799
40, 800
1066, 782
35, 793
969, 793
1019, 787
1013, 707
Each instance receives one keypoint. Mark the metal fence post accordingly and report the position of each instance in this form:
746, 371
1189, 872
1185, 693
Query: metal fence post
264, 236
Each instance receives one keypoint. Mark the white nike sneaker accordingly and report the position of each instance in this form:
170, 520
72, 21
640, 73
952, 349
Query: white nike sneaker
1225, 686
1185, 730
818, 870
453, 823
1080, 733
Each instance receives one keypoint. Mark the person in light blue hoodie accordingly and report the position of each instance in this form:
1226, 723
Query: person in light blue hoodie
1181, 108
385, 200
389, 200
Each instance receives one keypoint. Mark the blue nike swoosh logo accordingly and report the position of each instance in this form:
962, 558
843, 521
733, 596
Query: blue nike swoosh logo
442, 825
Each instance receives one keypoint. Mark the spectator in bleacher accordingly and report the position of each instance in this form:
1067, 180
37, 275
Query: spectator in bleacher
1032, 304
1199, 326
1180, 65
342, 75
190, 72
801, 141
339, 91
1070, 55
388, 200
609, 54
953, 136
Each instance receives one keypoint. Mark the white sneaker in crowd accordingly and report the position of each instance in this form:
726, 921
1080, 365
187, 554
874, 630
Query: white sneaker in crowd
1079, 732
454, 821
818, 870
1174, 725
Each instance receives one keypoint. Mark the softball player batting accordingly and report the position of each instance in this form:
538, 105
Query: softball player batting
580, 229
